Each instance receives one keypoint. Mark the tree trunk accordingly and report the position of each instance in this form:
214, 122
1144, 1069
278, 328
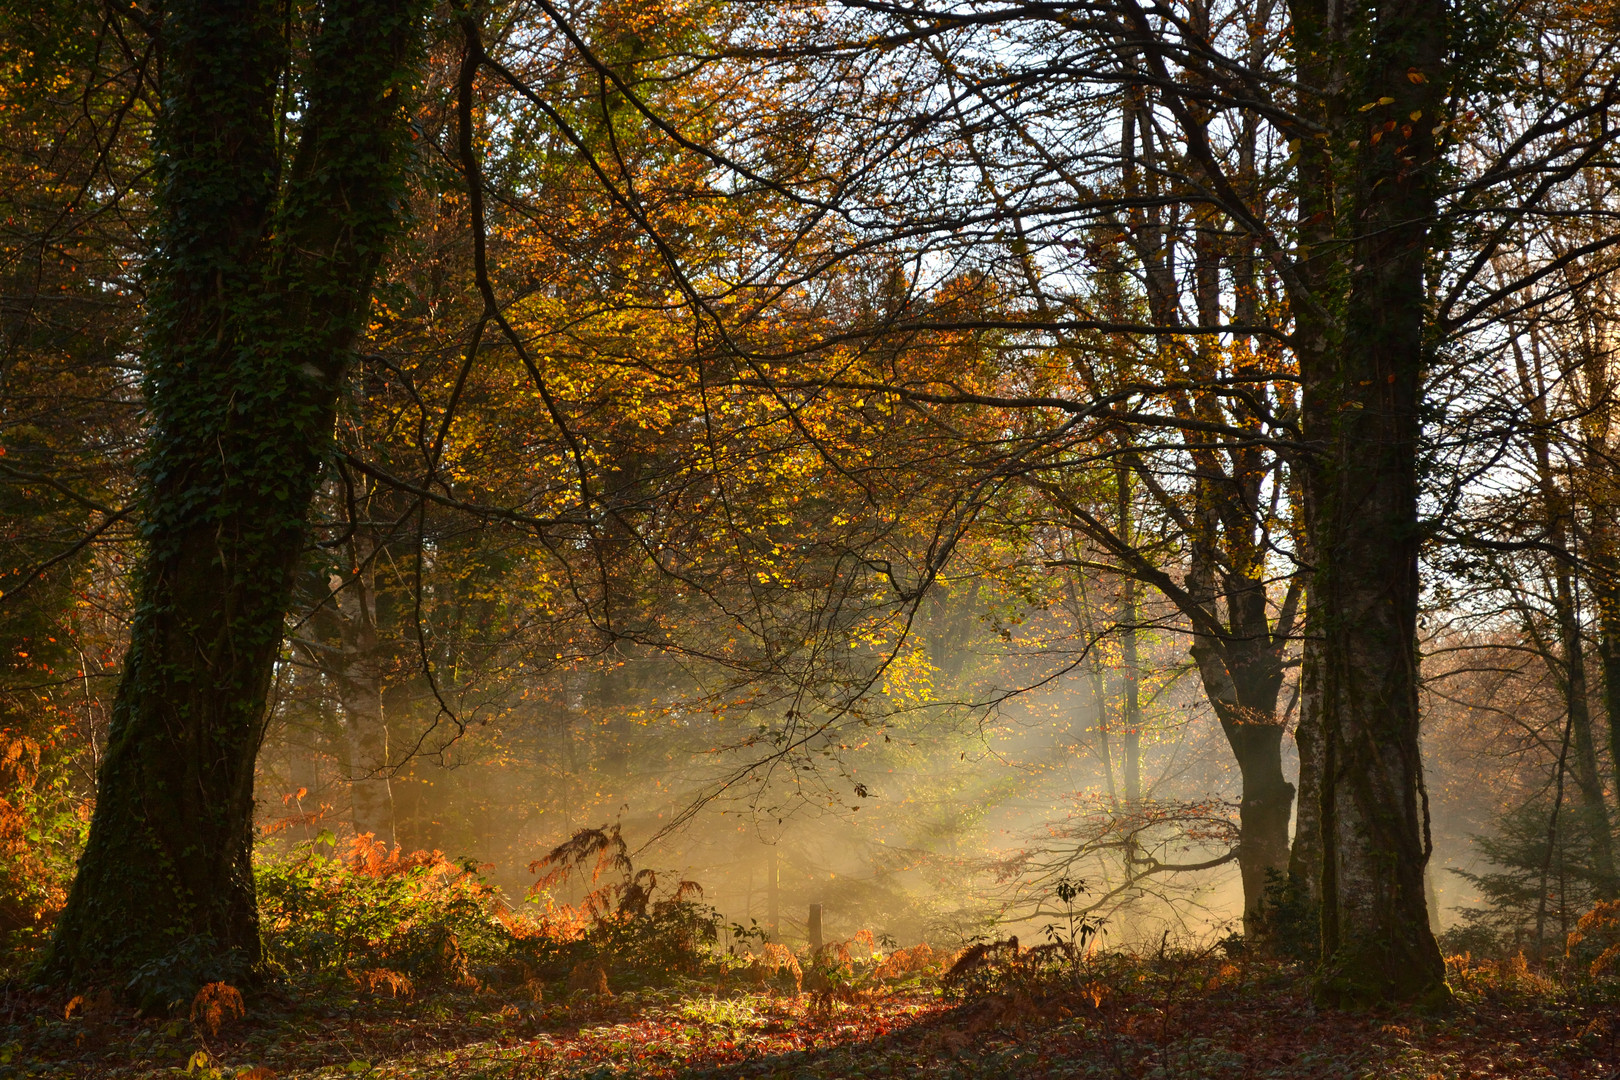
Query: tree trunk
1376, 941
1588, 780
1569, 662
1241, 668
1603, 566
252, 318
1131, 698
348, 657
1263, 814
1105, 749
773, 893
1604, 576
358, 680
1305, 857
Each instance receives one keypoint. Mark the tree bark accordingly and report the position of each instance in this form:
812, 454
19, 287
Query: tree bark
1376, 941
1244, 697
1305, 856
1130, 674
258, 296
1605, 580
773, 893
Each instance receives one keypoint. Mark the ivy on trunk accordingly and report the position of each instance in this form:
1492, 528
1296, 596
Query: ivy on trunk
259, 289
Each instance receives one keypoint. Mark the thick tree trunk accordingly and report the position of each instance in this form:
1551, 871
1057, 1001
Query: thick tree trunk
1247, 709
1376, 941
1241, 668
251, 322
1316, 297
1240, 661
1263, 814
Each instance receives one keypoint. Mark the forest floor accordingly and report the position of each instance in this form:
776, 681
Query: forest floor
1191, 1018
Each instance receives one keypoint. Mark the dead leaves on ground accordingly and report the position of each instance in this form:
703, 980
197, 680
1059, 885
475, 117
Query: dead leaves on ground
1203, 1019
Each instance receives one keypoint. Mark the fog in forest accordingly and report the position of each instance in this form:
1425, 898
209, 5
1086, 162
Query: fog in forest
993, 770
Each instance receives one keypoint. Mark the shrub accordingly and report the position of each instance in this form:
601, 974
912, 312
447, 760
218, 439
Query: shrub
623, 924
1512, 976
1539, 880
370, 908
920, 959
1594, 944
42, 830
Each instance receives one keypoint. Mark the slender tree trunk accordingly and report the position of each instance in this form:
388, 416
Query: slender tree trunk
358, 679
1105, 748
1588, 779
1131, 699
773, 894
251, 322
1606, 584
1603, 553
1130, 678
1305, 857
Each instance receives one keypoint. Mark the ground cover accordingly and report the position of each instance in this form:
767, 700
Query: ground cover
385, 964
1106, 1016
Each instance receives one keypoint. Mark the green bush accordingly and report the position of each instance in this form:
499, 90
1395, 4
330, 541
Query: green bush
1290, 921
1539, 882
43, 825
418, 914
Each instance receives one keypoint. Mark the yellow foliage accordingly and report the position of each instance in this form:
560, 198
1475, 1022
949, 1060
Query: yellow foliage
1602, 921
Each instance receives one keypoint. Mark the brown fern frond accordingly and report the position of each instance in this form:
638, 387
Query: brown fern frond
214, 1004
374, 979
605, 843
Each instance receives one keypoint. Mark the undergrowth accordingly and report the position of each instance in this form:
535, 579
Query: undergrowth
370, 909
43, 825
373, 953
393, 921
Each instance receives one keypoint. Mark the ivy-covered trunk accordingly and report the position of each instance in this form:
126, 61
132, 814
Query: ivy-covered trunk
1376, 942
258, 291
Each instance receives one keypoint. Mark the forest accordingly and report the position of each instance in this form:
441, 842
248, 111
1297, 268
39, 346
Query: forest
810, 538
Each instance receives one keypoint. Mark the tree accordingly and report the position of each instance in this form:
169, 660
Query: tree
1355, 199
258, 288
